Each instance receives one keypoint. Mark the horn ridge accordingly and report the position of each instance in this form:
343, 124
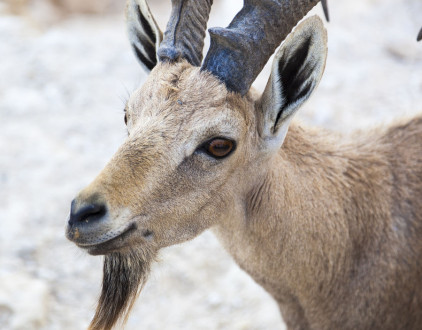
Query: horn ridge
185, 32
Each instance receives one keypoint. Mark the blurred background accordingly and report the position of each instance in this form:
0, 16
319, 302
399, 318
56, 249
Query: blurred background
66, 70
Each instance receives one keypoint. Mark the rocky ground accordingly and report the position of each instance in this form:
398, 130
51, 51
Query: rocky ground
64, 80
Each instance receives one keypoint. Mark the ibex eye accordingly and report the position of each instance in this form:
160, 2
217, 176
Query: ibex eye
219, 147
125, 118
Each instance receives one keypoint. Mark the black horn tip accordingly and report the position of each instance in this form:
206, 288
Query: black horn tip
419, 38
168, 54
325, 8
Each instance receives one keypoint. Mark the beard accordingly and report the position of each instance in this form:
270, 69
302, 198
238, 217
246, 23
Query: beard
124, 276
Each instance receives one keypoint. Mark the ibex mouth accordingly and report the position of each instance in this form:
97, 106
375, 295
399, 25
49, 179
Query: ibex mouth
111, 244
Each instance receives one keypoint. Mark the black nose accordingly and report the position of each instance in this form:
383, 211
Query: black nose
86, 213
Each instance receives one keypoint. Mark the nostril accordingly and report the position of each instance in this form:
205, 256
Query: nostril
86, 213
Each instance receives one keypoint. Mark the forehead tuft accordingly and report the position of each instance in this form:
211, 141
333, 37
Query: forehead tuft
181, 93
184, 84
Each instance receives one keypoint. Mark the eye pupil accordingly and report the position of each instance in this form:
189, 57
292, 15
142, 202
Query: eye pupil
219, 148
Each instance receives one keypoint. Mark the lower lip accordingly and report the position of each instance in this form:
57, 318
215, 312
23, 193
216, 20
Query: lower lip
107, 246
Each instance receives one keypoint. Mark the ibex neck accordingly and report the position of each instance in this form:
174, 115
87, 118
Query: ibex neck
306, 222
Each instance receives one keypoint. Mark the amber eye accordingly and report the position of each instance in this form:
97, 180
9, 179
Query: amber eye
219, 147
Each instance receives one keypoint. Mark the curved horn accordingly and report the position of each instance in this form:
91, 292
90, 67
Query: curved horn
239, 52
325, 9
185, 32
419, 38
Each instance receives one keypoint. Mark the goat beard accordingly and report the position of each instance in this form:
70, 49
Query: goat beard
124, 276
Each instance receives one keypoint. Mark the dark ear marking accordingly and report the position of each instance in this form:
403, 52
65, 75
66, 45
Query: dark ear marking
145, 25
147, 39
293, 70
297, 69
144, 33
149, 63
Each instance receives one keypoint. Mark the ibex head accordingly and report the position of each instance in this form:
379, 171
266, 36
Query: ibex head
198, 139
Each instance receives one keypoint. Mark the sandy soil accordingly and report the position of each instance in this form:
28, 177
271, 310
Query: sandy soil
62, 89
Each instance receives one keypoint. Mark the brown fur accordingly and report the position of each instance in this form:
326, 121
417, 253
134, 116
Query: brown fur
330, 227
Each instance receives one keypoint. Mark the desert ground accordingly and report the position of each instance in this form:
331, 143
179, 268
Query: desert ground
65, 72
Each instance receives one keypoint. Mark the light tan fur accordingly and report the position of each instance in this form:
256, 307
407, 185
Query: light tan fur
330, 227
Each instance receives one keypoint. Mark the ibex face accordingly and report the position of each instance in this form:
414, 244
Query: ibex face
198, 139
189, 147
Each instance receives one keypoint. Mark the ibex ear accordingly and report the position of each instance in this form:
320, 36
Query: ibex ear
144, 34
296, 71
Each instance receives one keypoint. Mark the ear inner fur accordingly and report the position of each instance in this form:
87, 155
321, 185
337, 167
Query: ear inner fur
297, 69
144, 33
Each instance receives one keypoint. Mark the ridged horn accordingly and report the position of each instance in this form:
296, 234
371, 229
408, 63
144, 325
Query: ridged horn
239, 52
185, 32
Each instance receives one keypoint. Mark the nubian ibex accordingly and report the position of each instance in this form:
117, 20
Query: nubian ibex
331, 228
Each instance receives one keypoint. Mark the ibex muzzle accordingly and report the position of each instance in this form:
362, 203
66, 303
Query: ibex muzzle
331, 229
